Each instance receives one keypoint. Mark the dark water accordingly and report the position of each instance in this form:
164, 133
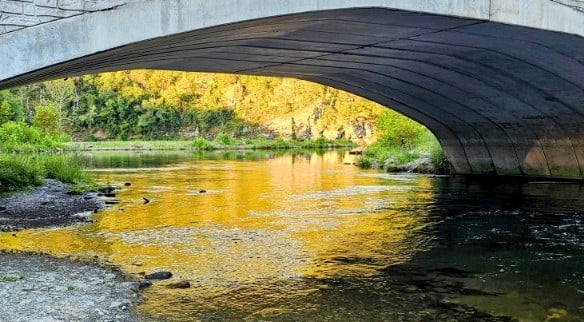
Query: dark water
304, 237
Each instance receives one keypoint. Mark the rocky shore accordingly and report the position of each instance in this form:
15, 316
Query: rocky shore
40, 288
50, 205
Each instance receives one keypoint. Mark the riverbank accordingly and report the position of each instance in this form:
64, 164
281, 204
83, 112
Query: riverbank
422, 157
222, 142
49, 205
36, 287
41, 288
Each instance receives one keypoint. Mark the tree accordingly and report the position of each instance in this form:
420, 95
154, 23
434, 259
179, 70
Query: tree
47, 119
10, 109
6, 113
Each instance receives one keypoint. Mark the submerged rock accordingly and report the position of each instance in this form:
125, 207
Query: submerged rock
144, 284
179, 285
159, 276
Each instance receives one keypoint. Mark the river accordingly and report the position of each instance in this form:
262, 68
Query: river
309, 237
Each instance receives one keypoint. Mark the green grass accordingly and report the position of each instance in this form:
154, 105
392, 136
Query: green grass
18, 172
129, 145
22, 171
222, 142
11, 278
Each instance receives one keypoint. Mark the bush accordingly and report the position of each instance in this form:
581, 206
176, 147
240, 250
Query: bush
397, 130
224, 139
202, 144
22, 137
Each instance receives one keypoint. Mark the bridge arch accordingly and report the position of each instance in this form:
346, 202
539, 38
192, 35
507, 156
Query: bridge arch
501, 99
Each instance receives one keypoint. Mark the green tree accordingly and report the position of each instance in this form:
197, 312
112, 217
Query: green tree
6, 113
47, 119
10, 108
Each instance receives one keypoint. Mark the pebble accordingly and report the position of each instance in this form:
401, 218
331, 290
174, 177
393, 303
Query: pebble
44, 294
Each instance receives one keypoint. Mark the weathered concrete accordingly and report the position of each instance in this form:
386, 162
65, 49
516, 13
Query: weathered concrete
502, 99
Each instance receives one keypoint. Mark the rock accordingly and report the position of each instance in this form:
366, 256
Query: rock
179, 284
107, 189
127, 184
159, 276
2, 209
144, 284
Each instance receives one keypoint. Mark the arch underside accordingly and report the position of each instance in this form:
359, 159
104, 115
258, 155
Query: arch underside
502, 100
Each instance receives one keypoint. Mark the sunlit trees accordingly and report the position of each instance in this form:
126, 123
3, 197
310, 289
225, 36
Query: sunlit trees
47, 118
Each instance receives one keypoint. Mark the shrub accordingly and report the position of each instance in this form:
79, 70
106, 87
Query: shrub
23, 137
202, 144
224, 139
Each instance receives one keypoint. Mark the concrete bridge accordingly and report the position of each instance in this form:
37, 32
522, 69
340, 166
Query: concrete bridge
499, 82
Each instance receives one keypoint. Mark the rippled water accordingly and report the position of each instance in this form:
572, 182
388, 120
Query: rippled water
307, 238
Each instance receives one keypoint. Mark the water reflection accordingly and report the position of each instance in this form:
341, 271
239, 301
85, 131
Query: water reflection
305, 237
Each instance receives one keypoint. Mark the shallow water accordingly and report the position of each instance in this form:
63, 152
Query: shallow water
306, 237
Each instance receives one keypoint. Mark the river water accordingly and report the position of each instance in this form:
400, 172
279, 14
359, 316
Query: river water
306, 237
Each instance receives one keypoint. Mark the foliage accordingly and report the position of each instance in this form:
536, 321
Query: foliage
202, 144
65, 168
223, 138
10, 109
420, 153
47, 118
22, 137
19, 172
397, 130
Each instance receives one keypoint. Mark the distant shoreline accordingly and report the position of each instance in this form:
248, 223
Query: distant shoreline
206, 145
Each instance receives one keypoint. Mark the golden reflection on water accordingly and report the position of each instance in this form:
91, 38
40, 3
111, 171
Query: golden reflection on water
286, 218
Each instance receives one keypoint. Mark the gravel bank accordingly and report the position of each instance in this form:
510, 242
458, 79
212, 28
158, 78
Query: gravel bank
38, 288
43, 289
49, 205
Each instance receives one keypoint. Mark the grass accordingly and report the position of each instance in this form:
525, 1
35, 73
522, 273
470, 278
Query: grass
22, 171
18, 172
11, 278
222, 142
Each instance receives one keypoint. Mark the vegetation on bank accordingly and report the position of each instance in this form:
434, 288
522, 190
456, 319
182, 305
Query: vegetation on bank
166, 105
404, 145
22, 171
221, 142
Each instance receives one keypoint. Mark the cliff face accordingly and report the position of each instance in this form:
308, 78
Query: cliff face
288, 107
